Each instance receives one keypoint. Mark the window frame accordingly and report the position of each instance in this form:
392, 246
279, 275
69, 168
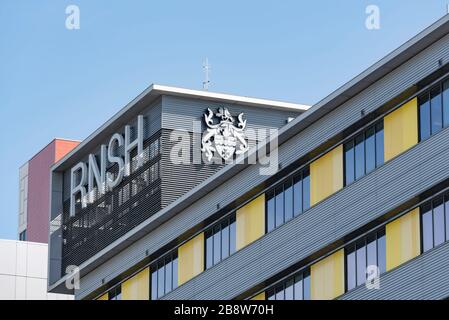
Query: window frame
302, 177
427, 96
353, 247
350, 145
172, 259
115, 293
444, 197
302, 276
229, 222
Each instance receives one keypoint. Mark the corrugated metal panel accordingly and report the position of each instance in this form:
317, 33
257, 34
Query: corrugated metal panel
346, 211
310, 138
180, 113
425, 277
179, 178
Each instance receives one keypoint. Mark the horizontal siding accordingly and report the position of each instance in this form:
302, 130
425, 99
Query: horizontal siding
180, 113
346, 211
177, 179
299, 145
425, 278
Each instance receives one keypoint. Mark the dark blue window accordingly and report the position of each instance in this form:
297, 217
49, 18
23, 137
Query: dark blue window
367, 251
220, 241
270, 211
436, 111
209, 252
370, 149
351, 272
216, 236
164, 275
433, 110
427, 227
154, 285
297, 195
424, 117
306, 286
225, 244
349, 162
361, 262
446, 209
445, 103
438, 222
359, 157
115, 293
305, 190
280, 214
379, 144
232, 238
161, 280
382, 253
23, 236
434, 222
364, 153
287, 200
296, 287
169, 271
288, 197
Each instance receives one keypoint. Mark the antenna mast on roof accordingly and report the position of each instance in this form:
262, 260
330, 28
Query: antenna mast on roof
206, 68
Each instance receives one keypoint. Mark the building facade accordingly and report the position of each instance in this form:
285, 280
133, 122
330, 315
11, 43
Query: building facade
357, 208
23, 272
24, 267
34, 190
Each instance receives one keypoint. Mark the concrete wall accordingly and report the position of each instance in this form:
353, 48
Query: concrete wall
23, 272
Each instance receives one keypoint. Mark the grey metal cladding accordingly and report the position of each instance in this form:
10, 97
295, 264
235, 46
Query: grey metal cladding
180, 113
369, 198
177, 179
300, 144
426, 277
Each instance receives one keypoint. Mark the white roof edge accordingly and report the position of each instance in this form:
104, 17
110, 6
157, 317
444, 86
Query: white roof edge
228, 97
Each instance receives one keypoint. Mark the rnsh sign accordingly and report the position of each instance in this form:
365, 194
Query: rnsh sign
91, 173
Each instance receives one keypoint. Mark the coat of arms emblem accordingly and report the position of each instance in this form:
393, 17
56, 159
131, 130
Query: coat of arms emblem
226, 137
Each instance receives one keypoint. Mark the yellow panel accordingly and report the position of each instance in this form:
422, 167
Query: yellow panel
250, 222
327, 277
260, 296
401, 129
326, 175
403, 239
137, 287
191, 259
104, 297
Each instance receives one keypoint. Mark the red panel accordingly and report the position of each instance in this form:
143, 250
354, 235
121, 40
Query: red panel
63, 147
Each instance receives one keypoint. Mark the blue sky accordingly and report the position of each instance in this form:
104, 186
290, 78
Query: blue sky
56, 82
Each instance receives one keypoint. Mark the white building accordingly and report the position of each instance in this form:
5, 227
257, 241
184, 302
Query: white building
23, 272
